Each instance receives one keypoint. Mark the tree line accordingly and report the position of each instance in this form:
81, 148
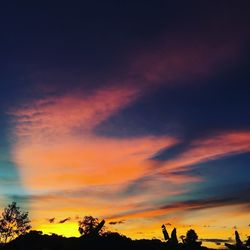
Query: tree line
14, 222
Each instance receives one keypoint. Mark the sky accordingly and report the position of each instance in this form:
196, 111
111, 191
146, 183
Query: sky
136, 112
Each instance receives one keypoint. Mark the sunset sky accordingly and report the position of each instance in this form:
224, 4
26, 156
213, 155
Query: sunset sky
136, 112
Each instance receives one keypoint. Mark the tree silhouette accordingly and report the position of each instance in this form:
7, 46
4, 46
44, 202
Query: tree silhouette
248, 241
13, 223
191, 237
88, 226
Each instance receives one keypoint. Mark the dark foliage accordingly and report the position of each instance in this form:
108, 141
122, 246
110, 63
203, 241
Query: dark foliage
191, 237
13, 223
35, 240
88, 226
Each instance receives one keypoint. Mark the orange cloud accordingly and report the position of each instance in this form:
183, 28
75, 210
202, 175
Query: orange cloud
56, 147
77, 162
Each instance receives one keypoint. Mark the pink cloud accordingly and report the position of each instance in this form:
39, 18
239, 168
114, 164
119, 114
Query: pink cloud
66, 113
175, 59
214, 147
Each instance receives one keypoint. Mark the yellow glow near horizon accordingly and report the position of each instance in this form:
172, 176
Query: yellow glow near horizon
148, 228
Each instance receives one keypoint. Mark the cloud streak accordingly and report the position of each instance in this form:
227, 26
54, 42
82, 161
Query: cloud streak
210, 148
64, 220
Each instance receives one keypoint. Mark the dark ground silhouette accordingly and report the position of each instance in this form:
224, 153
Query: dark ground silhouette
35, 240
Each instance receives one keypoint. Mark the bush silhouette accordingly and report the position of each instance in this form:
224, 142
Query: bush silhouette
191, 237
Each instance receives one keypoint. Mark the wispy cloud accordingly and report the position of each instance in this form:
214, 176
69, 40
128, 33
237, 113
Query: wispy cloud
51, 220
188, 205
116, 222
209, 148
177, 59
64, 220
65, 114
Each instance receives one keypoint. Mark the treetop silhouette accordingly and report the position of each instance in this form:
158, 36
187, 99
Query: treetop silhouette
13, 223
90, 226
